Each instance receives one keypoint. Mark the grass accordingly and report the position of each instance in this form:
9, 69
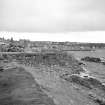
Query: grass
44, 70
18, 87
49, 59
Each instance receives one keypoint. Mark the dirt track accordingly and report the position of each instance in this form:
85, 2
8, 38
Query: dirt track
18, 87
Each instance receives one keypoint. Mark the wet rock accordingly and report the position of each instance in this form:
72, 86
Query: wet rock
85, 81
91, 59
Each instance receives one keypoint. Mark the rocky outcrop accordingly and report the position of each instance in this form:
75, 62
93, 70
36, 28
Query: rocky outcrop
96, 89
94, 59
91, 59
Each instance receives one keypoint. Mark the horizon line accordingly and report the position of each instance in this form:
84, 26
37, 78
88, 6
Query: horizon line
79, 37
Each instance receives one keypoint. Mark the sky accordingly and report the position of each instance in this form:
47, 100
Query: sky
90, 37
52, 16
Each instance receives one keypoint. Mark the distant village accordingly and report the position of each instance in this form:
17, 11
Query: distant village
11, 45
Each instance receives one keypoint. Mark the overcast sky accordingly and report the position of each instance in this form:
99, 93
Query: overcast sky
52, 15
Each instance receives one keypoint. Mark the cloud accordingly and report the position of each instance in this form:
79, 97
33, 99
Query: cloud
52, 15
